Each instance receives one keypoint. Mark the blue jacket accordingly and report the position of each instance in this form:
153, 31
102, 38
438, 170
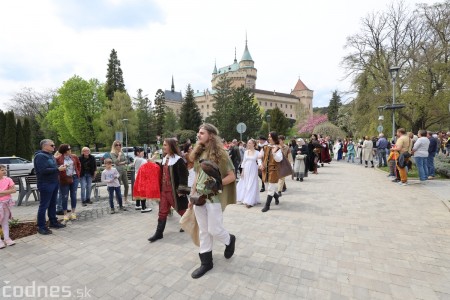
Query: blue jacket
45, 167
433, 148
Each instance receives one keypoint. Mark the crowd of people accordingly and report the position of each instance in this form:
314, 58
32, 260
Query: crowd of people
397, 154
202, 177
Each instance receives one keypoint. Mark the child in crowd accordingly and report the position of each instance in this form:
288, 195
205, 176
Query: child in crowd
111, 176
392, 159
7, 188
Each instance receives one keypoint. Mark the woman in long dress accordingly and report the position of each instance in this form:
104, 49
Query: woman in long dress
247, 189
300, 168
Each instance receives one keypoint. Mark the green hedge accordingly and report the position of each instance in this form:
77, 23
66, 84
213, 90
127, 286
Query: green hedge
442, 165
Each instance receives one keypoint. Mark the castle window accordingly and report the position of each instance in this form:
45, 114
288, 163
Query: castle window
291, 106
291, 115
265, 104
260, 103
202, 106
276, 105
207, 105
286, 115
270, 104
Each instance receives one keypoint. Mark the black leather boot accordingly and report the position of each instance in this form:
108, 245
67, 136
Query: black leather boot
206, 265
267, 206
159, 231
277, 196
229, 250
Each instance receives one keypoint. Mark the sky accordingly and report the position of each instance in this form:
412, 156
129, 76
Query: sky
44, 43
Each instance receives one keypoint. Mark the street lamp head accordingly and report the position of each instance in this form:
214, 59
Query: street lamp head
268, 118
124, 120
393, 71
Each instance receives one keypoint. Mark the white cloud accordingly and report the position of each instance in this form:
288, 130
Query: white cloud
41, 47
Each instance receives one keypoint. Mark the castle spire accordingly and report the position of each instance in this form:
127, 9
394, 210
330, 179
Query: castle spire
246, 55
235, 60
172, 88
215, 68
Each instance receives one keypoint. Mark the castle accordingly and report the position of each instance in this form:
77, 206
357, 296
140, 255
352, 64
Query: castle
298, 102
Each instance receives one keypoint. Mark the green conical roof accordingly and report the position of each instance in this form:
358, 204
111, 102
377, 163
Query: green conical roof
246, 55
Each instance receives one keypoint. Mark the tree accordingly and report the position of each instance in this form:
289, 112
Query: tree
114, 76
54, 125
28, 103
27, 141
333, 107
112, 119
190, 117
311, 123
2, 132
10, 134
20, 141
329, 129
416, 41
278, 122
82, 103
160, 111
244, 109
171, 124
222, 114
146, 119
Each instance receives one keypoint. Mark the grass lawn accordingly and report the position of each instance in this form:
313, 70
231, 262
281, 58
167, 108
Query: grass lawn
412, 173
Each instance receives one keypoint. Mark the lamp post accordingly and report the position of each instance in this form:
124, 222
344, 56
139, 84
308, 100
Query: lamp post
268, 121
394, 72
125, 122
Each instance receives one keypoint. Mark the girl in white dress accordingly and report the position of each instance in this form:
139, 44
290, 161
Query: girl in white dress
247, 189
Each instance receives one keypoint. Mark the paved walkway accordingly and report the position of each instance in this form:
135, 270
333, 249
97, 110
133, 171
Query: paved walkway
347, 233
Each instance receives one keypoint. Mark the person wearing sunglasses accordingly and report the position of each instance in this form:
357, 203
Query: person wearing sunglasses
120, 162
47, 172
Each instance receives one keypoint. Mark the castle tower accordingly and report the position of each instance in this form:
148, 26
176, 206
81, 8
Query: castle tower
305, 95
247, 65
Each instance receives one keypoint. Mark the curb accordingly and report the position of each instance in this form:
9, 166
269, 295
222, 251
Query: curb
446, 203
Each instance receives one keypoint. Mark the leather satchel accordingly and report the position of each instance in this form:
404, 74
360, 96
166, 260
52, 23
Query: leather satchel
284, 168
65, 180
198, 200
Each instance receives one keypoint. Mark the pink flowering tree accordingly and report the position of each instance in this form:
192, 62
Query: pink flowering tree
308, 126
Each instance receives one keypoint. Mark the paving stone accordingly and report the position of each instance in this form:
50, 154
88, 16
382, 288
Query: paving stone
312, 246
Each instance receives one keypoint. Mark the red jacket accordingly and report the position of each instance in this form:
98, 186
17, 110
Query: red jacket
76, 164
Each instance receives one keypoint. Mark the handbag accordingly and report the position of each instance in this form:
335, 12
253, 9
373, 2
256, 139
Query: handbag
189, 224
284, 168
65, 180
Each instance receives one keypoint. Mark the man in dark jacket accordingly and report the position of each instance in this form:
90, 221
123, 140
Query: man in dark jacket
432, 150
47, 172
88, 171
235, 156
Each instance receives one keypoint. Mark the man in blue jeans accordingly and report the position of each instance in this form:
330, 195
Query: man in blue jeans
88, 171
382, 145
432, 150
47, 172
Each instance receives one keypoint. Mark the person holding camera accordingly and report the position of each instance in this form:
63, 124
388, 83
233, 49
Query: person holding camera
210, 157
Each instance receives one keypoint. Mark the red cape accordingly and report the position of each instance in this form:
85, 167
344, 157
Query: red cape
148, 182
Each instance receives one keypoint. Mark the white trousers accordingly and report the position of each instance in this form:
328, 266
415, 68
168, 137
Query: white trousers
210, 225
271, 188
